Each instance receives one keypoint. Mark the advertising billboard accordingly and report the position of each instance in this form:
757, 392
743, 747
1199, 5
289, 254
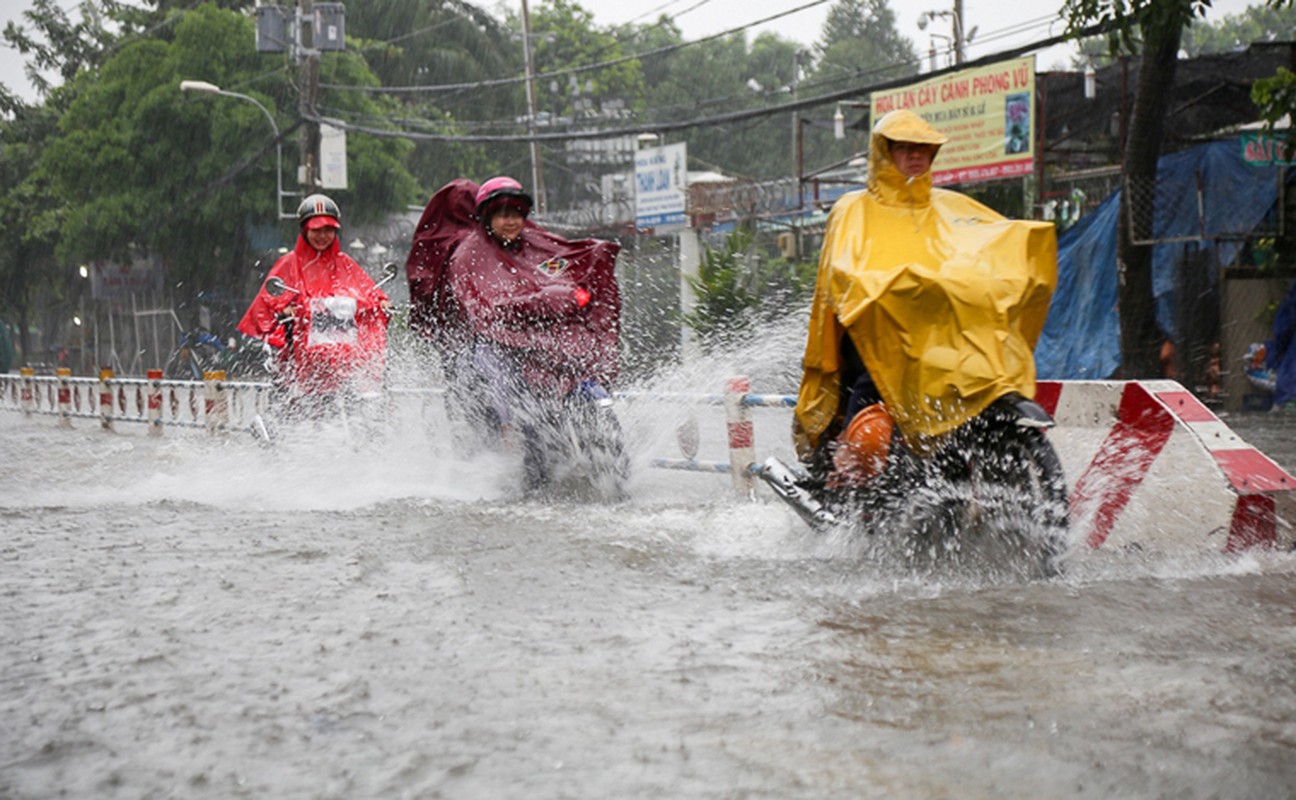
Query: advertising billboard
987, 112
110, 280
661, 187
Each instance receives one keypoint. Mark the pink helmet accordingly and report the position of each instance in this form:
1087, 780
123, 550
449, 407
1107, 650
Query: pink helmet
499, 188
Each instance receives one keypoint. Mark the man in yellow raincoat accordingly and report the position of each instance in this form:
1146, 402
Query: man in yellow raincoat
927, 305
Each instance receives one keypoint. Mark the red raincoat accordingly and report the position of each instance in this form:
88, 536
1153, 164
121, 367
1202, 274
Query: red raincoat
465, 287
339, 337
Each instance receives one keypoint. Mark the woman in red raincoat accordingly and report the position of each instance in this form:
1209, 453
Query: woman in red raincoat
527, 323
329, 325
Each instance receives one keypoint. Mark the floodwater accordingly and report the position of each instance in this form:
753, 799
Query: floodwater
196, 617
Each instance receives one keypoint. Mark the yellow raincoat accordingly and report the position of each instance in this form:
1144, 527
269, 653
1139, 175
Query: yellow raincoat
943, 298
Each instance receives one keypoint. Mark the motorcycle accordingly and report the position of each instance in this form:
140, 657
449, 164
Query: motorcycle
991, 492
582, 448
353, 398
570, 445
925, 317
528, 337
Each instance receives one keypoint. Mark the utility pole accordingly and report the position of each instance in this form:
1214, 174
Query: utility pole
308, 90
796, 128
958, 31
537, 181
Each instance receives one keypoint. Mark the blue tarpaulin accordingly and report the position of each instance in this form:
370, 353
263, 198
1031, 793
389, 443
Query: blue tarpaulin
1081, 338
1281, 350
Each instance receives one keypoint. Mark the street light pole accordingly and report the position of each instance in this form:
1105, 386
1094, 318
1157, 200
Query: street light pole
958, 40
211, 88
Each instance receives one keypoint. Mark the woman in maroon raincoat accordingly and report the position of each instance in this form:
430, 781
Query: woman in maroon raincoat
335, 338
525, 320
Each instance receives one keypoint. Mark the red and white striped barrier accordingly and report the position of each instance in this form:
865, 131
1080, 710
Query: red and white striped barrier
1151, 467
155, 402
64, 397
105, 399
215, 402
742, 445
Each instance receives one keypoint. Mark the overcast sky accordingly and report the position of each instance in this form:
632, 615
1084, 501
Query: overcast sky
998, 23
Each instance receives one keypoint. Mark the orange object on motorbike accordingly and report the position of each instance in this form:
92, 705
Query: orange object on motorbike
863, 448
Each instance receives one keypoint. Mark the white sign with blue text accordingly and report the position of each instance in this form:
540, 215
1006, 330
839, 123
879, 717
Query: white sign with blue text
661, 187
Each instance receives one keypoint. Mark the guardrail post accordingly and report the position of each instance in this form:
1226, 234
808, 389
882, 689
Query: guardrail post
105, 399
742, 447
64, 397
155, 402
28, 394
217, 404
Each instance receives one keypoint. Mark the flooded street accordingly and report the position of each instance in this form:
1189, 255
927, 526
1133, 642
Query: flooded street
195, 617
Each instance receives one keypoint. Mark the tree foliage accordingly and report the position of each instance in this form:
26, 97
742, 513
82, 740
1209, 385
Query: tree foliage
1261, 23
185, 175
738, 287
54, 42
114, 161
1275, 98
439, 43
859, 44
860, 40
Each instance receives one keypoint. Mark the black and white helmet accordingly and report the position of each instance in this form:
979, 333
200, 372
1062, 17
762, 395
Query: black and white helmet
319, 207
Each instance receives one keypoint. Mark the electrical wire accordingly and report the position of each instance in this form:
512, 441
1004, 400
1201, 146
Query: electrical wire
448, 87
1010, 31
730, 117
664, 6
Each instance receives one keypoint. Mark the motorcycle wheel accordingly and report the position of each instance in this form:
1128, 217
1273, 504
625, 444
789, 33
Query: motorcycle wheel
591, 457
1018, 499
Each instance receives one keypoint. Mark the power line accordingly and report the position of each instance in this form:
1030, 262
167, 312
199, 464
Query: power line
1015, 29
454, 87
733, 116
663, 6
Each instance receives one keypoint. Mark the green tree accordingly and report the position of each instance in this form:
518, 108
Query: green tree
32, 211
142, 167
860, 39
576, 94
567, 39
860, 44
722, 75
1261, 23
739, 287
53, 42
1155, 29
442, 44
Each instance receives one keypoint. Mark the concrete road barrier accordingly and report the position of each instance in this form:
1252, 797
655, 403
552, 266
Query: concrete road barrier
1150, 466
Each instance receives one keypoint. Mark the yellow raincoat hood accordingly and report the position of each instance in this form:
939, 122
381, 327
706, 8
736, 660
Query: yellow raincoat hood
942, 297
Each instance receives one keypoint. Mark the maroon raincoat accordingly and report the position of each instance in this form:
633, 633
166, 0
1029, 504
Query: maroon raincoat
466, 287
340, 332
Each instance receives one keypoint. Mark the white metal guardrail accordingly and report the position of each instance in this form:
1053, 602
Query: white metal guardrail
214, 403
737, 400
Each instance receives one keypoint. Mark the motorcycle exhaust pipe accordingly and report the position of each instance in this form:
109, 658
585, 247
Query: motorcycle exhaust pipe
783, 481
